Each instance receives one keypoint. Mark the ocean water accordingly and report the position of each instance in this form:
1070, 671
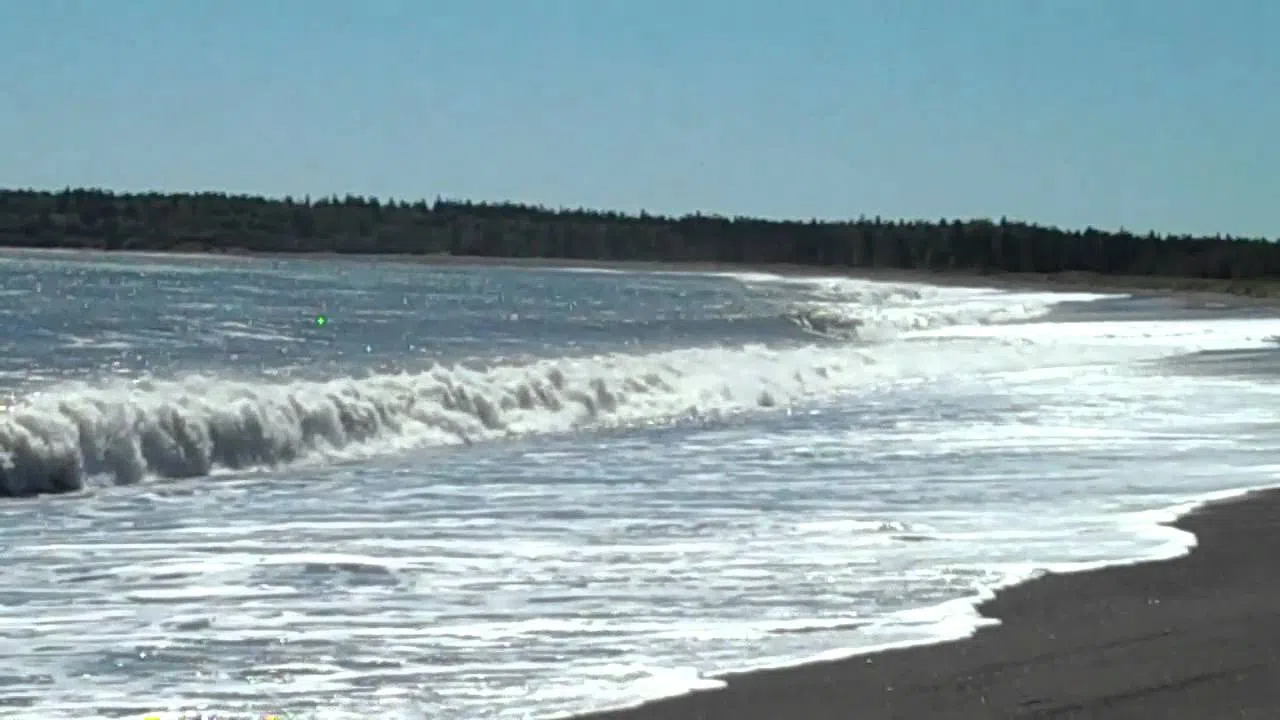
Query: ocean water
483, 493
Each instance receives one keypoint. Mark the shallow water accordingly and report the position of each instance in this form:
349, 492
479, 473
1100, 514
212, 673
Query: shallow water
502, 493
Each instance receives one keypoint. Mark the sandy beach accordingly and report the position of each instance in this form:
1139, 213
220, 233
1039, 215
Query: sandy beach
1197, 637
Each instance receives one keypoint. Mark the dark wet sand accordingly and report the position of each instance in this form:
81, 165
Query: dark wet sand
1197, 637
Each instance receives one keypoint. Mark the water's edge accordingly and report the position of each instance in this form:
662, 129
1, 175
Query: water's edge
1161, 520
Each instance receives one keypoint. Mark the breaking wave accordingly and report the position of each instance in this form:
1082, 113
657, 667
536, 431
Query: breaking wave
122, 432
193, 426
881, 313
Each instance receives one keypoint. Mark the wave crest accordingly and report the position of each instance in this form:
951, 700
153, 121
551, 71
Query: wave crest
52, 443
850, 309
196, 425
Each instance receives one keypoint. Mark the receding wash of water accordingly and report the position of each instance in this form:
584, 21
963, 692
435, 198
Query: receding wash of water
342, 489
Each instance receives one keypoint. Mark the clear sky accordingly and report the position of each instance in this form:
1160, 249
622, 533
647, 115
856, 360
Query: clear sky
1159, 114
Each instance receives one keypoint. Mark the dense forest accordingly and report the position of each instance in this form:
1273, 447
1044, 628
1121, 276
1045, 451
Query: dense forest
216, 222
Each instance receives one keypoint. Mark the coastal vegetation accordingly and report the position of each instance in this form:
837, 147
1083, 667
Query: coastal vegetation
218, 222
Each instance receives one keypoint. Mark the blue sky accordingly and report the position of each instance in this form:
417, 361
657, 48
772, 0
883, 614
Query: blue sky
1159, 114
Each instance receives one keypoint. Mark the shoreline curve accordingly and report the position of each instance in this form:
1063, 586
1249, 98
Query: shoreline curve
1191, 636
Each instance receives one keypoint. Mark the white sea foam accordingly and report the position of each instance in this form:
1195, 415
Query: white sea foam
843, 308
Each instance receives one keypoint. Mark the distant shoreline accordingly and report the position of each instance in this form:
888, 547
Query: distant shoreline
975, 250
1187, 291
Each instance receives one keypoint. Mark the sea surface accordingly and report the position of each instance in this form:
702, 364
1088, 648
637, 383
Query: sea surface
353, 489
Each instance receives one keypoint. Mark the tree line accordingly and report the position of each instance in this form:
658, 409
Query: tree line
219, 222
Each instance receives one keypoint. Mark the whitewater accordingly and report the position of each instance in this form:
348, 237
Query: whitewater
485, 492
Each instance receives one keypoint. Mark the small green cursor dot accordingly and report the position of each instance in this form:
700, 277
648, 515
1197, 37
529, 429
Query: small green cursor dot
321, 321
